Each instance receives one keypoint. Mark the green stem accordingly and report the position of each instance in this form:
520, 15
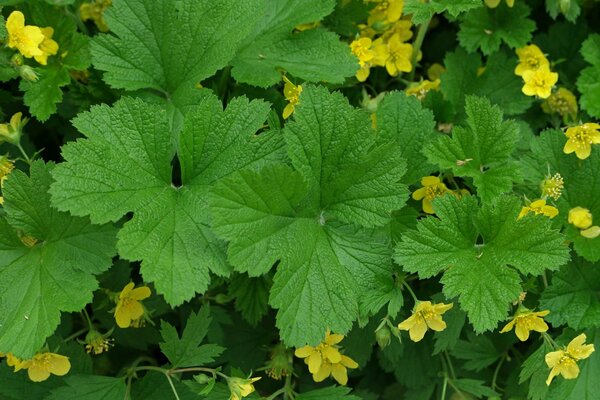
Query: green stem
27, 159
444, 388
497, 371
87, 318
172, 386
406, 285
545, 280
450, 366
549, 340
74, 335
456, 389
417, 47
277, 393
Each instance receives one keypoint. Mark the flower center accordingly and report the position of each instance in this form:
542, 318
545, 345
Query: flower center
434, 191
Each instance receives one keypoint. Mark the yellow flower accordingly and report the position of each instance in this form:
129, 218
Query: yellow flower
129, 307
394, 55
581, 138
421, 89
49, 47
564, 362
11, 132
562, 102
292, 95
553, 186
580, 217
240, 387
425, 316
324, 351
337, 370
95, 11
361, 48
539, 82
435, 71
42, 365
531, 58
526, 321
432, 187
400, 28
6, 166
385, 11
494, 3
539, 207
11, 360
26, 39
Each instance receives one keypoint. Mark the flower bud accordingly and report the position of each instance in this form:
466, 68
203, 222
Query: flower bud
28, 73
580, 217
383, 337
202, 378
16, 60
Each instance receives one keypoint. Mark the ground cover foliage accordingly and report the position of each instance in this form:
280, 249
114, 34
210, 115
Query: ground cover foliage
300, 199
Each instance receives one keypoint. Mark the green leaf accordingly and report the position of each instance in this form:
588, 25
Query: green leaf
169, 230
581, 184
571, 12
56, 273
302, 217
485, 28
498, 82
168, 47
590, 49
18, 386
587, 383
43, 95
251, 296
402, 118
574, 296
423, 11
531, 371
3, 32
455, 319
480, 150
186, 351
313, 55
90, 387
478, 352
475, 387
329, 393
481, 253
588, 82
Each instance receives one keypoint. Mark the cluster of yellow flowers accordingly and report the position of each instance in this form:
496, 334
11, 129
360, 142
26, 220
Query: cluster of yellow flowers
534, 68
95, 11
326, 360
562, 361
583, 220
40, 366
433, 187
382, 40
552, 187
30, 40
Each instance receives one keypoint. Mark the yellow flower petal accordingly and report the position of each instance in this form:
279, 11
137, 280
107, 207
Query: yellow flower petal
323, 373
332, 354
314, 362
304, 352
339, 373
